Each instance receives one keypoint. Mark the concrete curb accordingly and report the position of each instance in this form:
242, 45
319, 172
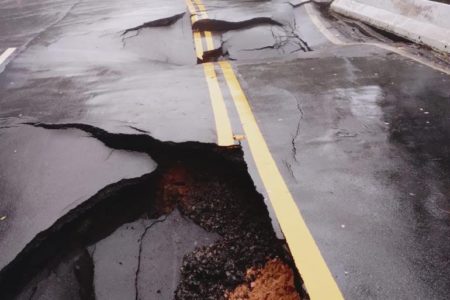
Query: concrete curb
421, 21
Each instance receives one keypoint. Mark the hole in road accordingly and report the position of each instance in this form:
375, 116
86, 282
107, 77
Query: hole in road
195, 228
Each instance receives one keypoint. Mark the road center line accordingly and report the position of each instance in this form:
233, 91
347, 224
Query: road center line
222, 120
223, 124
209, 40
198, 45
7, 53
335, 40
203, 15
318, 279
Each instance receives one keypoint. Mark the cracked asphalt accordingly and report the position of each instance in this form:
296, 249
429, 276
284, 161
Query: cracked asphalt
360, 134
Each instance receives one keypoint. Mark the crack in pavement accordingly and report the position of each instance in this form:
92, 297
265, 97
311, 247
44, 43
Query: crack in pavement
289, 168
157, 23
281, 41
163, 22
297, 131
221, 25
214, 54
301, 42
138, 269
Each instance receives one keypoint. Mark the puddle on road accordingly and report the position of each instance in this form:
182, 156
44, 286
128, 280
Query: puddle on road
195, 228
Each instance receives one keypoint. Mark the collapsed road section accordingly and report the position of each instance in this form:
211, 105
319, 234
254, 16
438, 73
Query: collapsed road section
195, 228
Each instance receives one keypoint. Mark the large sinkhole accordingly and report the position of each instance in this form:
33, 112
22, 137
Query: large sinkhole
194, 228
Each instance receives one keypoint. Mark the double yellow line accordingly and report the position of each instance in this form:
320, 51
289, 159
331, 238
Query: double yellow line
318, 280
223, 124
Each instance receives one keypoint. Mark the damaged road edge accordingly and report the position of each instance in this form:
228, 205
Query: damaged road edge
208, 184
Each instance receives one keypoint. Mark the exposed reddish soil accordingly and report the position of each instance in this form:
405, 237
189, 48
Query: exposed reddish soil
275, 281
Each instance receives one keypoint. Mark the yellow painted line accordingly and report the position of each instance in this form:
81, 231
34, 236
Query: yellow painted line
192, 11
318, 279
223, 124
198, 45
7, 53
194, 18
222, 120
202, 8
335, 40
209, 40
310, 263
191, 7
204, 15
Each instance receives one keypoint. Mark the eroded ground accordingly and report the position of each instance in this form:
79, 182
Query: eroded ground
191, 227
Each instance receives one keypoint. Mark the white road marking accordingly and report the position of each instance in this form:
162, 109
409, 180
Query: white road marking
6, 54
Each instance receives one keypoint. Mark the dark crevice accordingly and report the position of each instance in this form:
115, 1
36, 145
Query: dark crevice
84, 272
208, 184
220, 25
289, 37
297, 130
356, 30
139, 130
33, 292
391, 36
289, 168
295, 5
156, 23
214, 55
369, 31
152, 24
91, 221
292, 30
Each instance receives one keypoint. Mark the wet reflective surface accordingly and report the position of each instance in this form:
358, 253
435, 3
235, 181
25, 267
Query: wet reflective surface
362, 136
366, 155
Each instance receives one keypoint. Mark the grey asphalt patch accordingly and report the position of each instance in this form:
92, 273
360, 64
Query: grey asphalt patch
159, 251
45, 173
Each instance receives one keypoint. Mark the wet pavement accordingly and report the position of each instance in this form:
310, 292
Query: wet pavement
361, 136
366, 157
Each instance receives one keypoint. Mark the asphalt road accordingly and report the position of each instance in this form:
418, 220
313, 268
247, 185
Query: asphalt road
360, 133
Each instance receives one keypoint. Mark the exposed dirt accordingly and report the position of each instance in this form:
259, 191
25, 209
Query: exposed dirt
274, 281
208, 184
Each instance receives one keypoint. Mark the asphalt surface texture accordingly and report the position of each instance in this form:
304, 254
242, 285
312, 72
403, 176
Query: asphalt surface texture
112, 185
